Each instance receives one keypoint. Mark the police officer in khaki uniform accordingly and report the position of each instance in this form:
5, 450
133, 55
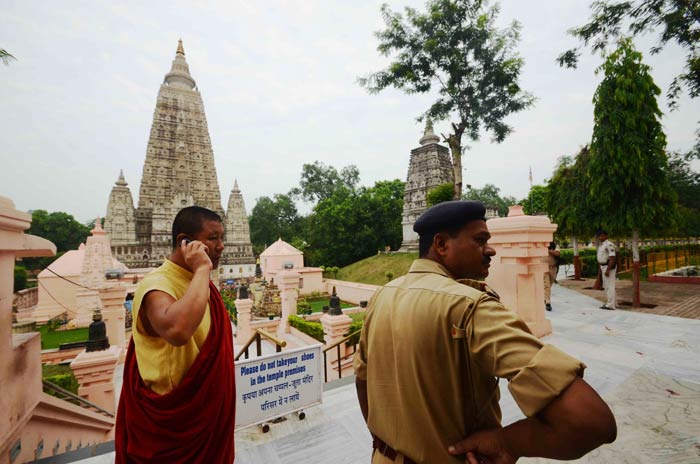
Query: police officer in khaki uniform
550, 277
434, 346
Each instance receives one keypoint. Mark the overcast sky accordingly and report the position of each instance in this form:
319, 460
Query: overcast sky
278, 81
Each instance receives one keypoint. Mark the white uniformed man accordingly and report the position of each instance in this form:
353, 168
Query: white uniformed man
608, 267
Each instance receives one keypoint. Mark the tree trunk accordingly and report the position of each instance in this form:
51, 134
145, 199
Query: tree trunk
454, 140
598, 285
456, 151
635, 269
577, 259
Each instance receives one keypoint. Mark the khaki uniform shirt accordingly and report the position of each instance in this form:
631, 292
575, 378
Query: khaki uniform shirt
432, 350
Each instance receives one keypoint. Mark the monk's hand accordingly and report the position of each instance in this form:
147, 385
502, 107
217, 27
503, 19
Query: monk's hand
196, 255
484, 447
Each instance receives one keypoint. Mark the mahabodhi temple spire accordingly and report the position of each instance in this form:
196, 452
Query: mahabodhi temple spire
178, 171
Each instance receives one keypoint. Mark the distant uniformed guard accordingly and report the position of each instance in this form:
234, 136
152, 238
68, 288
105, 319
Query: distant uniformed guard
550, 277
608, 266
434, 345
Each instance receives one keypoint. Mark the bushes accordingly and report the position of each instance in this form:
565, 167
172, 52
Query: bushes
303, 307
60, 375
358, 321
589, 263
20, 278
441, 193
312, 329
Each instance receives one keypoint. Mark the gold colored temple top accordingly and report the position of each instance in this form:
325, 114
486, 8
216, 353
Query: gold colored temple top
180, 50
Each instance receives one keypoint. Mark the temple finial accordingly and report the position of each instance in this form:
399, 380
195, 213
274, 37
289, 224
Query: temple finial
428, 134
121, 181
180, 49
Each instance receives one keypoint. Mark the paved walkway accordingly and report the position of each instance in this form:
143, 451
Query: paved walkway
647, 367
678, 300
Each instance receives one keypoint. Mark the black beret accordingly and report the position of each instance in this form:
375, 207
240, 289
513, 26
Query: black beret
449, 214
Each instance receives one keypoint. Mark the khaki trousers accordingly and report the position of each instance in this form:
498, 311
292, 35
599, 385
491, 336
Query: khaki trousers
549, 278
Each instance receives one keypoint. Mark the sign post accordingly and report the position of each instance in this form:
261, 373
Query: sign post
278, 384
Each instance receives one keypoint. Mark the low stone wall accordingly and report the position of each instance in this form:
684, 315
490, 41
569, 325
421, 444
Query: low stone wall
25, 298
56, 356
352, 292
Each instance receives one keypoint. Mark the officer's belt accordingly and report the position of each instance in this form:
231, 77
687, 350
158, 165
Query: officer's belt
388, 451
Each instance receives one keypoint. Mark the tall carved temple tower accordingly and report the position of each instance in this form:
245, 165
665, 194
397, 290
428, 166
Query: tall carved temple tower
429, 167
178, 171
239, 251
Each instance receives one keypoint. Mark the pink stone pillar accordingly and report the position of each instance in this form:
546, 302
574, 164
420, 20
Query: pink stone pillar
517, 270
20, 354
95, 374
335, 328
244, 309
113, 314
288, 283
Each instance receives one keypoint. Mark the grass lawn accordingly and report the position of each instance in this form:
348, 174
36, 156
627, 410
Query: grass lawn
54, 339
373, 270
317, 306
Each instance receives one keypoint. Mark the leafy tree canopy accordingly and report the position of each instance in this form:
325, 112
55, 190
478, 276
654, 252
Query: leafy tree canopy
318, 181
568, 198
60, 228
684, 180
274, 218
5, 56
456, 47
628, 165
439, 194
353, 224
536, 200
686, 183
675, 20
490, 195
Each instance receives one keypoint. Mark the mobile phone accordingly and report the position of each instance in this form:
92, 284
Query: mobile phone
187, 241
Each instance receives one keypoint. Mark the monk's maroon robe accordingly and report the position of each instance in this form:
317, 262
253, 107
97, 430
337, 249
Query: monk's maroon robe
193, 423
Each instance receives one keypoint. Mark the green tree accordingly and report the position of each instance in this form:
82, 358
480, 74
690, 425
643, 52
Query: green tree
60, 228
628, 166
686, 183
439, 194
353, 224
535, 202
20, 278
676, 21
6, 57
569, 203
274, 218
456, 47
490, 195
318, 181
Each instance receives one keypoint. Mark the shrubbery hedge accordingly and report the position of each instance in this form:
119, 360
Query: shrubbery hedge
65, 381
589, 263
310, 328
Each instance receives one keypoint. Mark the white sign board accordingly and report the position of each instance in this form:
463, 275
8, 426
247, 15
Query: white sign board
277, 384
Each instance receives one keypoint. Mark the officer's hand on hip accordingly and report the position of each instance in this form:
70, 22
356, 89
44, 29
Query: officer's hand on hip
484, 447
